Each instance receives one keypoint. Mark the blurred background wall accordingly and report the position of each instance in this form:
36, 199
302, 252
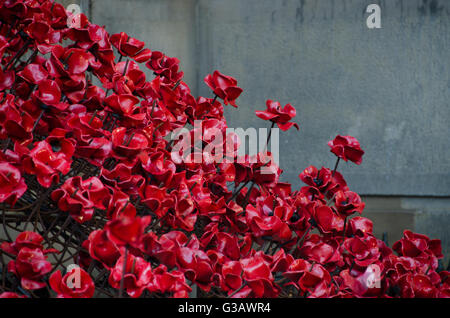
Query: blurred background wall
388, 87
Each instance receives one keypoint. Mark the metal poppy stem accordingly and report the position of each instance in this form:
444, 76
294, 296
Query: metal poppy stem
237, 191
129, 140
335, 167
124, 268
17, 55
268, 136
248, 195
237, 290
37, 120
345, 226
125, 68
93, 116
176, 85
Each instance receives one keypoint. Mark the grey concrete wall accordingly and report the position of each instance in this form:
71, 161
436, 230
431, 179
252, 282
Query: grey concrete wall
388, 87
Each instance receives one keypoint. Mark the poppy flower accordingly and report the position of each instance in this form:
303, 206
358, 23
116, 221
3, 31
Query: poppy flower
415, 245
121, 176
278, 115
12, 184
129, 46
348, 202
328, 221
30, 266
136, 277
96, 150
363, 250
46, 162
77, 283
347, 148
6, 79
265, 223
232, 275
102, 249
11, 295
417, 286
164, 66
359, 226
321, 251
80, 197
316, 178
196, 266
78, 60
223, 86
34, 73
257, 274
31, 240
49, 94
127, 230
127, 145
166, 282
315, 280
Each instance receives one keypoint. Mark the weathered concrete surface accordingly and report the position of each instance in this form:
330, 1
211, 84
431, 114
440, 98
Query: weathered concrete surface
429, 216
388, 87
167, 26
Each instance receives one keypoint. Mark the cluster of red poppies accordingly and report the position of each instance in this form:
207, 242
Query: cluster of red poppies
90, 166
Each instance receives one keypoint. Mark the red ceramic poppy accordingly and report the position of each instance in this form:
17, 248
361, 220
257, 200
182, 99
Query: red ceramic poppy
75, 284
347, 148
223, 86
281, 116
30, 266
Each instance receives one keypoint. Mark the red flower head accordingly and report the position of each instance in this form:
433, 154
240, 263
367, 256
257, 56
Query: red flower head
420, 247
164, 66
316, 178
79, 197
138, 274
196, 266
34, 73
414, 285
50, 157
321, 251
231, 275
223, 86
328, 221
131, 47
359, 226
268, 219
6, 79
169, 282
347, 148
49, 94
348, 202
31, 240
11, 295
75, 284
279, 115
309, 278
127, 230
362, 250
102, 249
30, 265
12, 185
257, 274
128, 145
